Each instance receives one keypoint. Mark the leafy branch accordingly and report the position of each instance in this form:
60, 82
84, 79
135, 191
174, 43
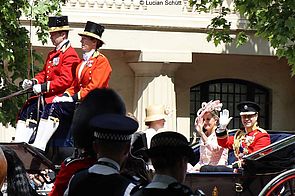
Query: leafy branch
15, 46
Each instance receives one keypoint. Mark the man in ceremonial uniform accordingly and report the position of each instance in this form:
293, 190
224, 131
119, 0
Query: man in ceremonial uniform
93, 72
169, 152
112, 133
247, 140
56, 76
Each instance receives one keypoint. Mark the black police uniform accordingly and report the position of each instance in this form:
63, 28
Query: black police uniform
162, 185
102, 179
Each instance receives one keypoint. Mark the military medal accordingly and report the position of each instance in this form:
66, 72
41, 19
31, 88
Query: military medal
55, 61
89, 63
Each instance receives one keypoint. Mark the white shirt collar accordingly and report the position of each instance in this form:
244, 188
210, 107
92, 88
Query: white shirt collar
61, 44
87, 55
104, 169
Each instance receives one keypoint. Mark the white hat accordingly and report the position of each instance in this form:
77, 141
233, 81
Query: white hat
155, 112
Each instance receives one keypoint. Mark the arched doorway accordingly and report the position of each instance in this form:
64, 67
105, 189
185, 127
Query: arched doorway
230, 92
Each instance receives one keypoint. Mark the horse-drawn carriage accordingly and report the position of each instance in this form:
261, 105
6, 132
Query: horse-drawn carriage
269, 171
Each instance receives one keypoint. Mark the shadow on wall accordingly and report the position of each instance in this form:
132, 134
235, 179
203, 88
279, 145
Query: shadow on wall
254, 45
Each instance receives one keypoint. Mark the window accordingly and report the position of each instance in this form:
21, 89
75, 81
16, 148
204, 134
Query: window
230, 92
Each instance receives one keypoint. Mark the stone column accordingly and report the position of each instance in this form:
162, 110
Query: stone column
154, 84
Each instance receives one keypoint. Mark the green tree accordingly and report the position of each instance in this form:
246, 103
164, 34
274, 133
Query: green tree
16, 56
273, 20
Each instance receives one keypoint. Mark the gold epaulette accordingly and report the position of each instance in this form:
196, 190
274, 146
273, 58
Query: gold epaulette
239, 135
96, 54
239, 132
261, 130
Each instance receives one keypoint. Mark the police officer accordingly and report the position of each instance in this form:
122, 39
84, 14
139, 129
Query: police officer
56, 76
169, 152
112, 133
98, 101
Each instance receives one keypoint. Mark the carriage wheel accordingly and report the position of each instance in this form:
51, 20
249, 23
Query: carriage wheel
281, 185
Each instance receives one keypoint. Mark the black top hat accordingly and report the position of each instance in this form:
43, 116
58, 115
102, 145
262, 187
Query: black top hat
58, 23
113, 127
248, 108
170, 141
93, 30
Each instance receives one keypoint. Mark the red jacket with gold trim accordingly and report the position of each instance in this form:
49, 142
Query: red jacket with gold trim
95, 74
58, 72
245, 143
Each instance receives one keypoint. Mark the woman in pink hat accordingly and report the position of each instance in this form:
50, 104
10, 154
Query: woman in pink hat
206, 123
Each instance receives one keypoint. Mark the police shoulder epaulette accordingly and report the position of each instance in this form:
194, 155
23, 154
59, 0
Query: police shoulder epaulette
180, 189
136, 188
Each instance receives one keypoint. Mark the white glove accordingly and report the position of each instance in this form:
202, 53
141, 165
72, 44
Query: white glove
27, 84
224, 119
62, 99
37, 88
